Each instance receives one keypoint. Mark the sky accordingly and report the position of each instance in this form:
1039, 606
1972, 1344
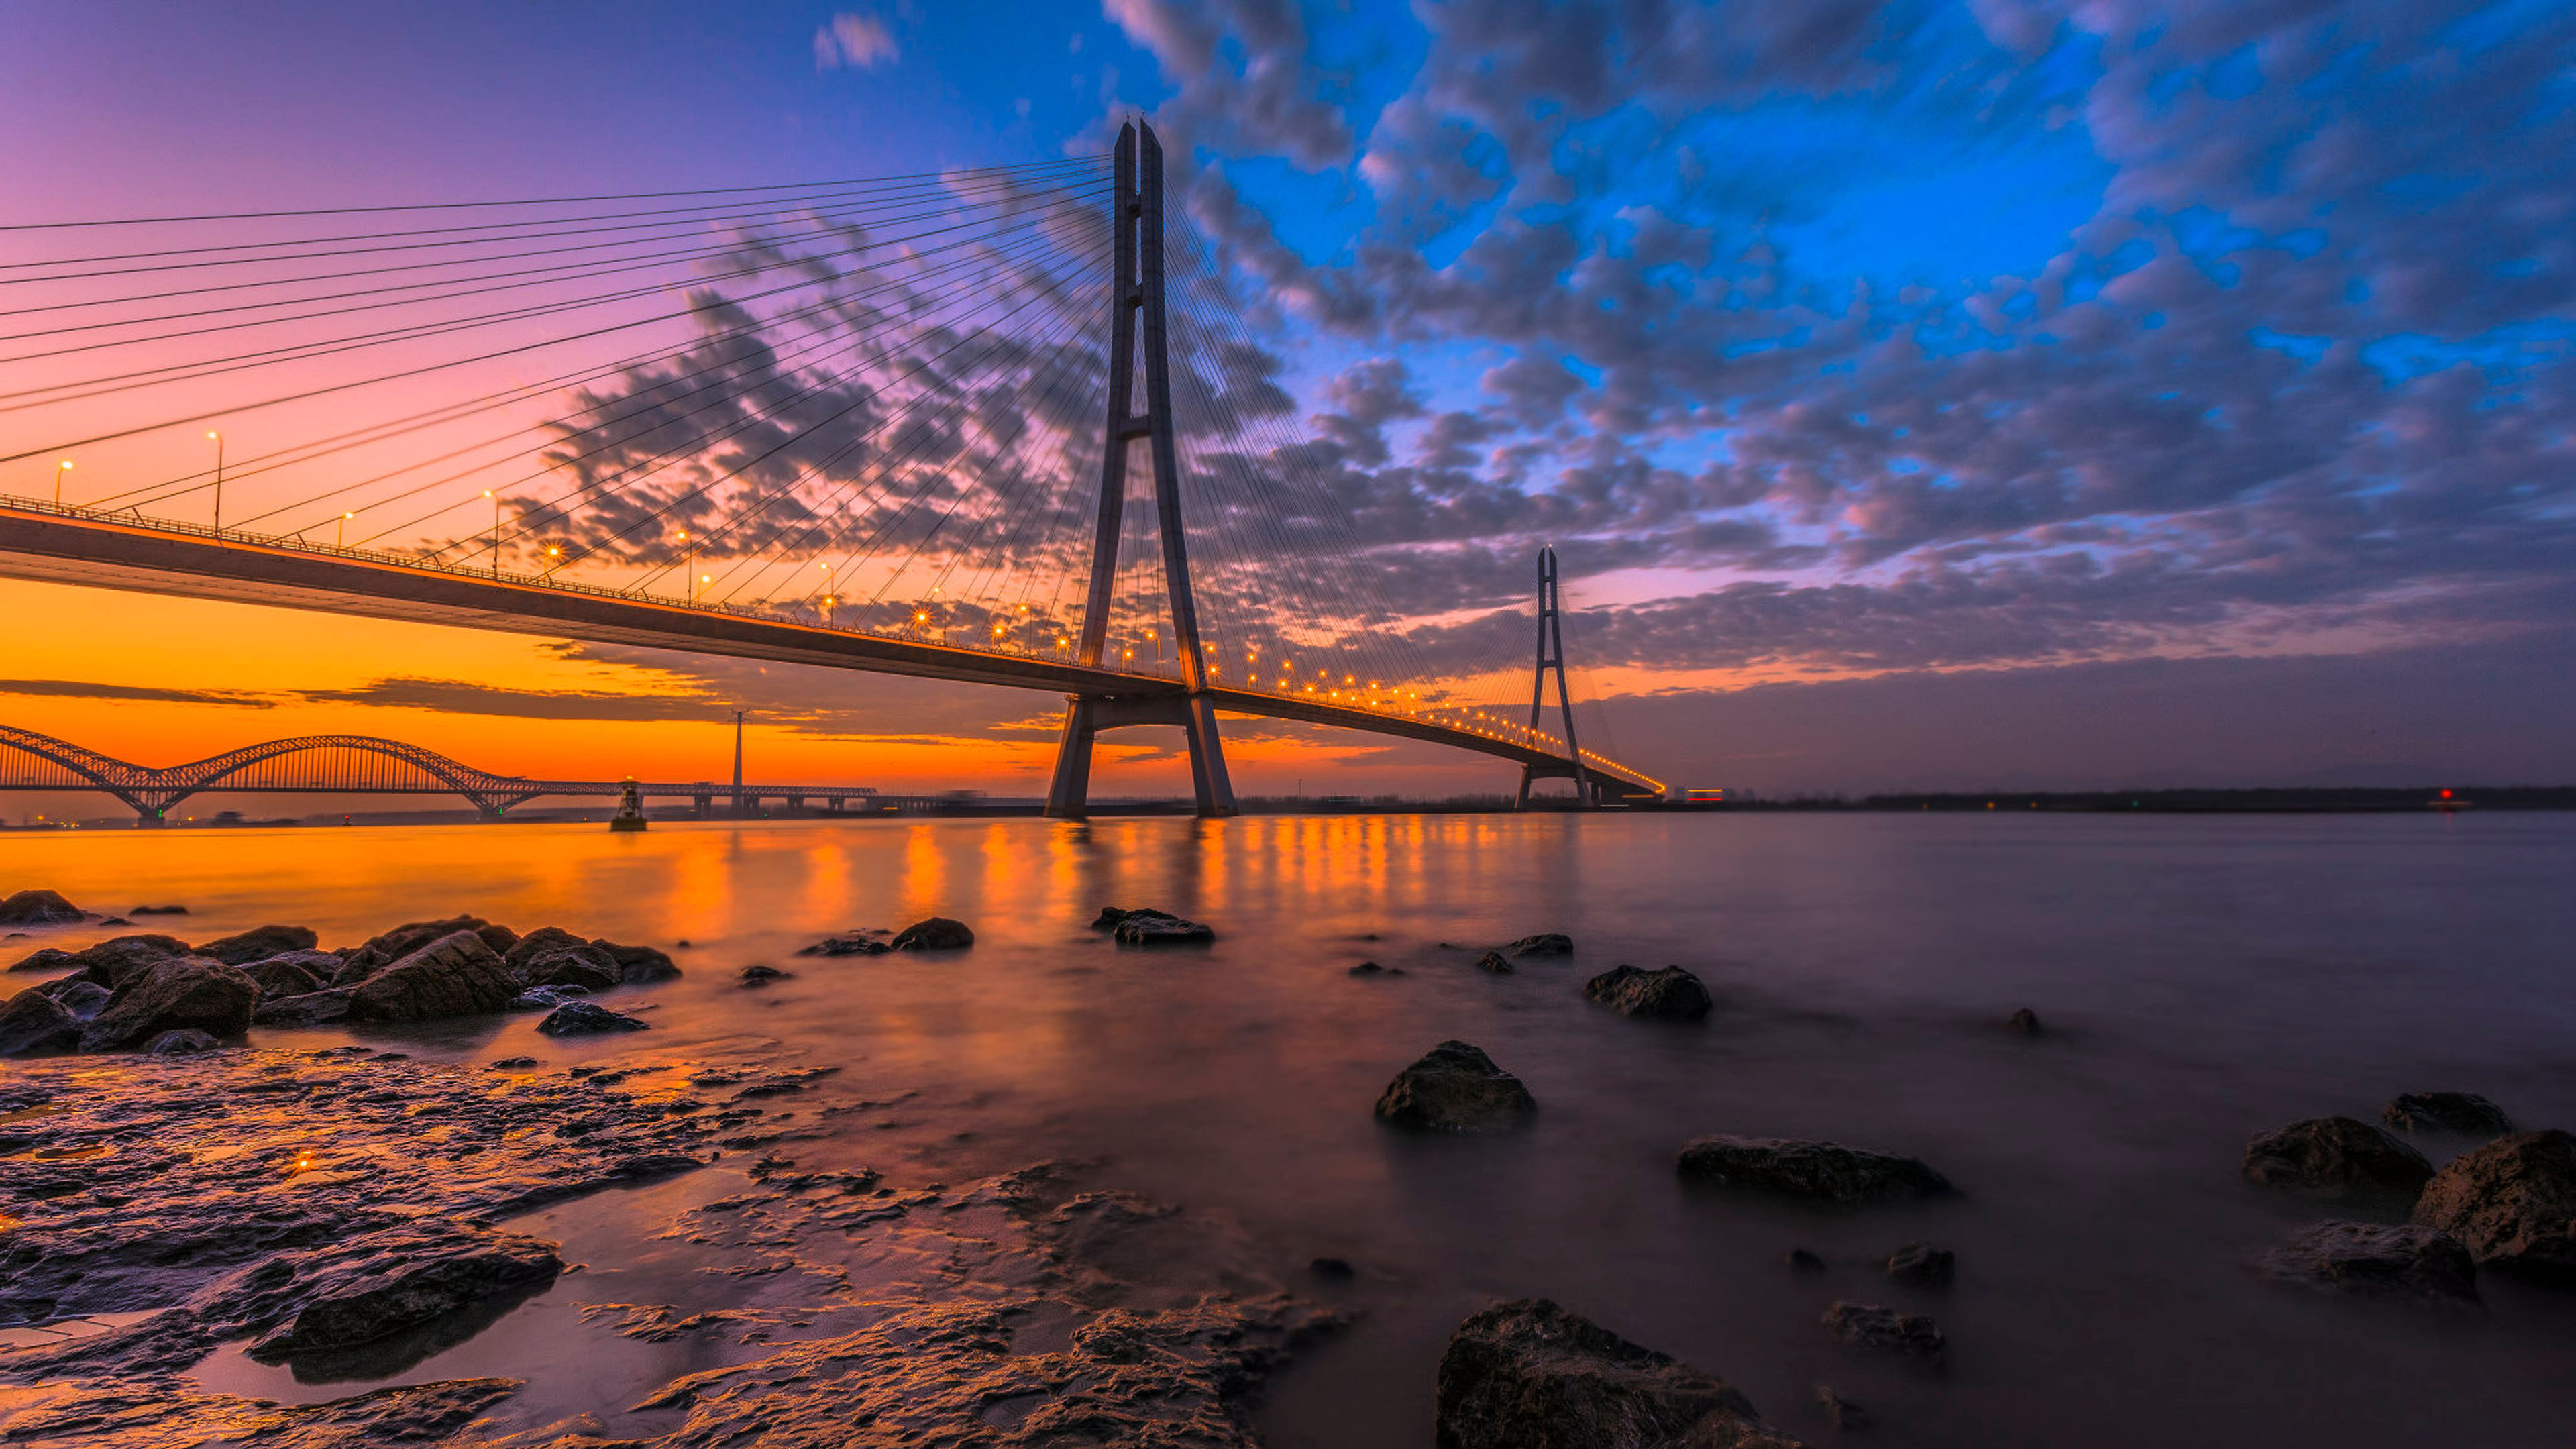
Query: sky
2006, 394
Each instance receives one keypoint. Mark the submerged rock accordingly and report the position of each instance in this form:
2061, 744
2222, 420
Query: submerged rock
1493, 964
851, 945
1672, 993
2024, 1022
1368, 968
2336, 1156
1456, 1088
1872, 1325
2398, 1259
938, 933
258, 944
376, 1286
1921, 1265
2511, 1203
762, 975
33, 1023
38, 908
1530, 1375
582, 1018
1819, 1171
2464, 1113
158, 911
458, 974
1842, 1412
1159, 928
191, 992
184, 1043
1545, 944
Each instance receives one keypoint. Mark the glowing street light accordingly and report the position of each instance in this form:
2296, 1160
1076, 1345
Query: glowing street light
340, 535
60, 469
218, 439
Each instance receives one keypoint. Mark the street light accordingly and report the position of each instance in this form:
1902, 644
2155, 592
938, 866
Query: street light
219, 478
340, 536
60, 469
496, 533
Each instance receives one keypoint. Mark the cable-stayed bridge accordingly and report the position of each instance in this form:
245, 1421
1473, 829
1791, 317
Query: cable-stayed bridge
883, 426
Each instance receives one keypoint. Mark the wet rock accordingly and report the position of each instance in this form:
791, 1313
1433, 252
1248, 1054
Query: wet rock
2335, 1157
762, 975
368, 1289
1819, 1171
33, 1024
186, 1043
638, 965
116, 921
208, 996
513, 1064
2464, 1113
2511, 1203
1492, 963
1159, 928
938, 933
110, 963
258, 944
1671, 993
582, 1018
851, 945
2024, 1022
1110, 916
158, 911
1331, 1270
293, 973
2388, 1259
1921, 1265
1803, 1260
546, 998
382, 951
45, 958
38, 908
1872, 1325
1456, 1088
1368, 968
458, 974
82, 998
1545, 944
1842, 1412
313, 1008
1530, 1375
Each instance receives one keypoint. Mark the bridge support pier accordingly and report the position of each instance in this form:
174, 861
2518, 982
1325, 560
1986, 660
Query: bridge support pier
1085, 716
1551, 656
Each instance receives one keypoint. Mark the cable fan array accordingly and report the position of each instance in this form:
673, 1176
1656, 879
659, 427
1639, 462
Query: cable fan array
870, 405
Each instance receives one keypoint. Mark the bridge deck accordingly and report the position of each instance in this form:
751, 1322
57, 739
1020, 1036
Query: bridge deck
60, 544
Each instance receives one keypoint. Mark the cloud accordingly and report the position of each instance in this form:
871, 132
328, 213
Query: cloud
854, 42
80, 689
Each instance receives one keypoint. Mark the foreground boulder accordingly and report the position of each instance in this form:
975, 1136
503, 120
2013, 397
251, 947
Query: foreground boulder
2464, 1113
400, 1280
1671, 993
2511, 1203
382, 951
38, 908
292, 973
311, 1008
191, 992
458, 974
1873, 1325
259, 944
2388, 1259
82, 998
935, 934
1529, 1375
33, 1023
582, 1018
1456, 1088
2336, 1157
1818, 1171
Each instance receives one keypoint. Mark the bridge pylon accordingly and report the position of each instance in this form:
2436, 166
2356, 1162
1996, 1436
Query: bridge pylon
1551, 656
1137, 304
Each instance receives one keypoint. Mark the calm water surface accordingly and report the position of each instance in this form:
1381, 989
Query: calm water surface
2203, 980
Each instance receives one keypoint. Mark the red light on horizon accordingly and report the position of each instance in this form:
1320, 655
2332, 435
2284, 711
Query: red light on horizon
2446, 794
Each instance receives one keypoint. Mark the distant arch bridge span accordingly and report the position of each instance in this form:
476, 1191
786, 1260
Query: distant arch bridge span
360, 765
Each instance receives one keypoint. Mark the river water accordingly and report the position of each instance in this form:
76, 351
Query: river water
2202, 980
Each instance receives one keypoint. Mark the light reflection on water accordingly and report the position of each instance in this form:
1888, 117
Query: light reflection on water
2203, 979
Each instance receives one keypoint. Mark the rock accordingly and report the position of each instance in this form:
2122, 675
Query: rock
402, 1279
583, 970
2464, 1113
852, 945
1493, 964
1871, 1325
1843, 1412
158, 911
1671, 993
1159, 928
513, 1064
938, 933
1109, 917
313, 1008
763, 975
259, 944
1331, 1270
1546, 944
1921, 1265
458, 974
112, 962
2336, 1156
2511, 1203
33, 1024
582, 1018
2024, 1022
293, 973
190, 992
2391, 1259
1368, 968
383, 951
546, 998
637, 965
1529, 1375
185, 1043
39, 908
1456, 1088
1802, 1260
82, 998
1820, 1171
45, 958
111, 921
